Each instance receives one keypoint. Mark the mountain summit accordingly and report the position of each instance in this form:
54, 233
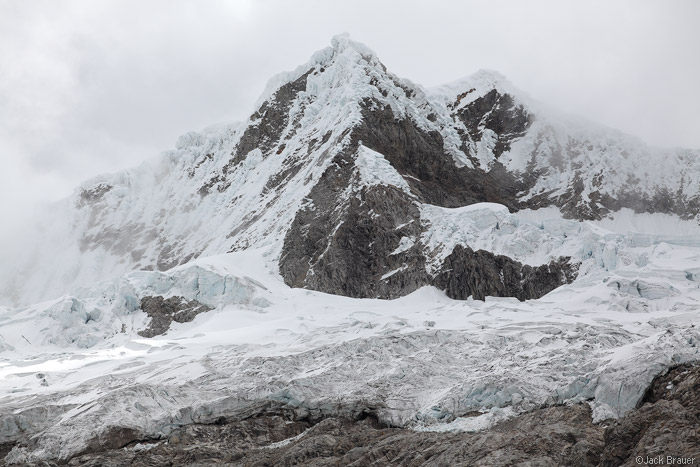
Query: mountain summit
346, 171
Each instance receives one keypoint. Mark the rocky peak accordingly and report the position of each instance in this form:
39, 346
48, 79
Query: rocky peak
297, 170
344, 66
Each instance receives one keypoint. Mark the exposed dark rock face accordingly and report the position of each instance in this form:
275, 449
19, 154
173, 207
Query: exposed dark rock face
270, 119
312, 227
164, 311
358, 254
342, 242
478, 274
345, 246
498, 113
268, 125
432, 174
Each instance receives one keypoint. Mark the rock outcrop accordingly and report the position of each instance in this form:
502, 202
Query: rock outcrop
348, 245
477, 274
163, 311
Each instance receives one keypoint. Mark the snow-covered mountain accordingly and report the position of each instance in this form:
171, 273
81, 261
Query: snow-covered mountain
535, 259
342, 168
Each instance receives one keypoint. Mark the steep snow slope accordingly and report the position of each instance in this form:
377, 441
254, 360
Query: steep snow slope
601, 339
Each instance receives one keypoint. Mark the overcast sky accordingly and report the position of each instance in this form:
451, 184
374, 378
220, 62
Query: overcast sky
94, 86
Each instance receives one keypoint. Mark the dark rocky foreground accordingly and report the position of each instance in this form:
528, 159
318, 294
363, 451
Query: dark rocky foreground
667, 423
